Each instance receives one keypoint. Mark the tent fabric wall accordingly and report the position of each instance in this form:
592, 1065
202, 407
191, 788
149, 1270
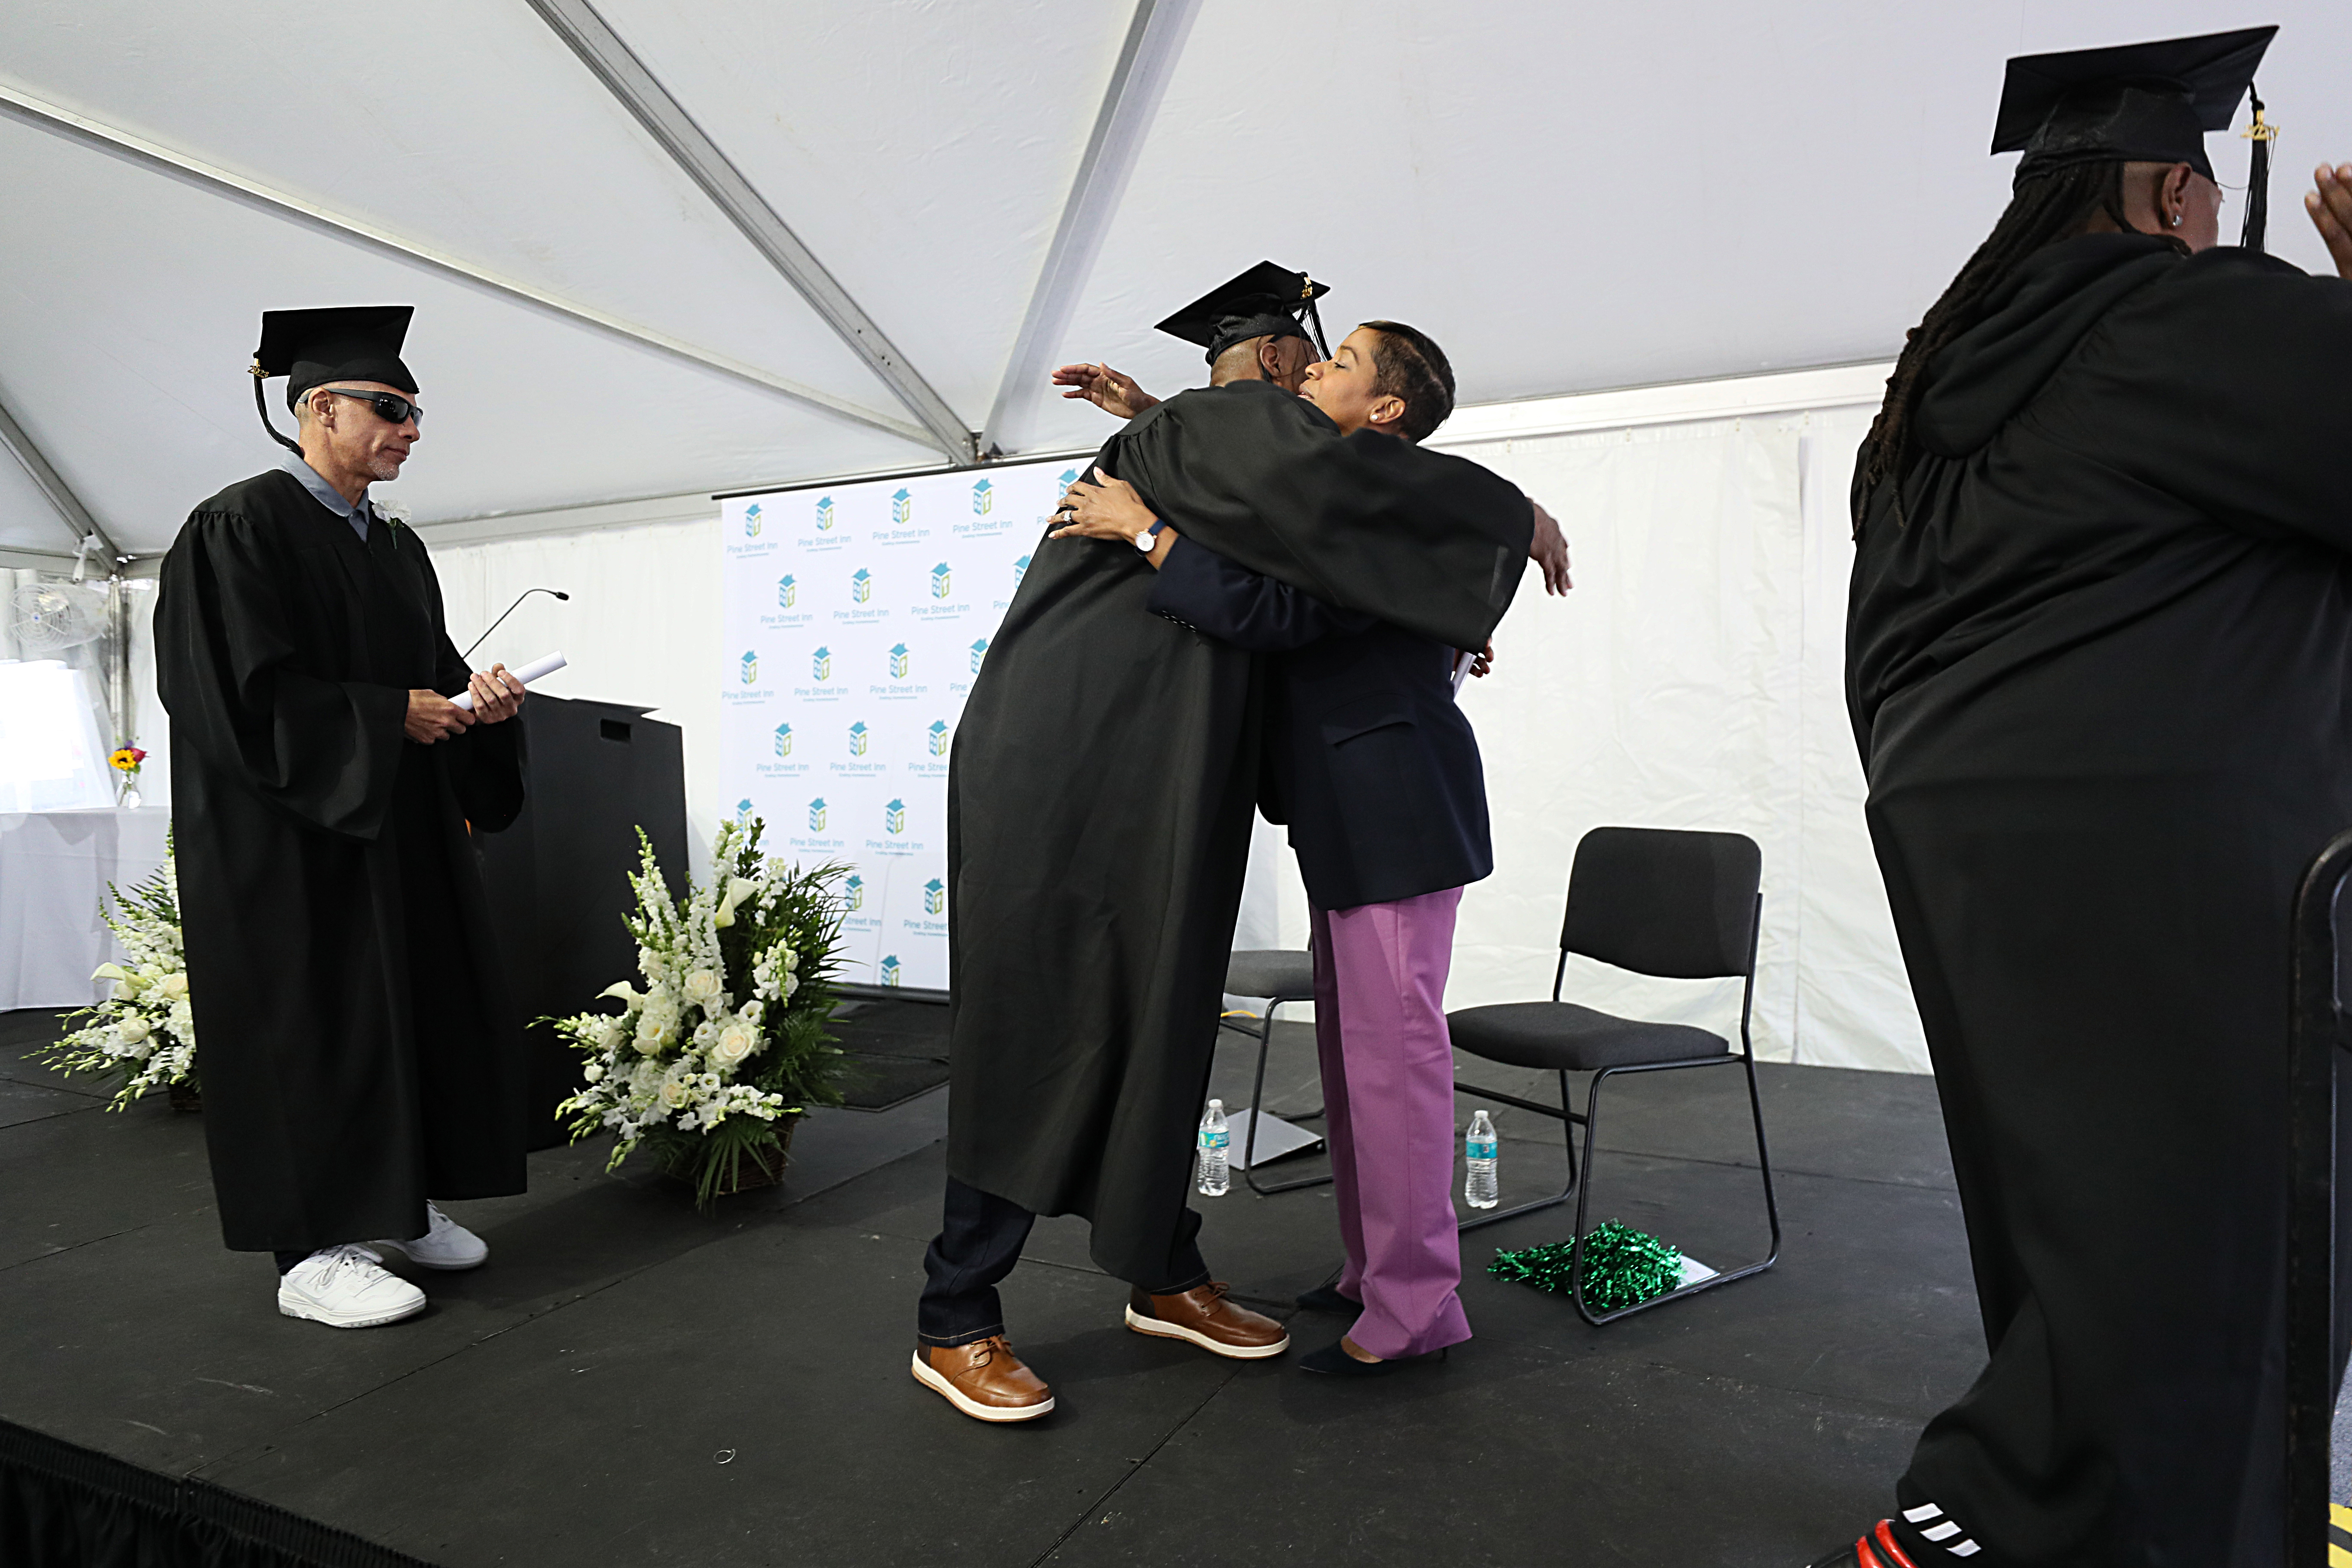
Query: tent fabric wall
1692, 681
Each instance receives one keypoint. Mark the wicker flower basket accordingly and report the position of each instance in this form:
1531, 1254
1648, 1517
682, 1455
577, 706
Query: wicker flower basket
759, 1168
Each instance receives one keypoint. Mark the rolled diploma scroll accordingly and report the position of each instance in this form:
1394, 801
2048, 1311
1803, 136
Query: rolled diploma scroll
537, 669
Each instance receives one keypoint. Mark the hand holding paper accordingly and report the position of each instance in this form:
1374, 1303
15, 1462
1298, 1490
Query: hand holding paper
537, 669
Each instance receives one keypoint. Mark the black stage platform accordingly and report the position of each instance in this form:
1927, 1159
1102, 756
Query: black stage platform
627, 1382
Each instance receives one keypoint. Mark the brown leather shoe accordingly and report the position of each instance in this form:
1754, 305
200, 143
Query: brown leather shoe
983, 1379
1205, 1318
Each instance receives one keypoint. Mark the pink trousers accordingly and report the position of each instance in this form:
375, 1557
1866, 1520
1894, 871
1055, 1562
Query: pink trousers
1388, 1081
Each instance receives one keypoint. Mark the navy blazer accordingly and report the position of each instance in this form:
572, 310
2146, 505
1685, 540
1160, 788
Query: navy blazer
1368, 759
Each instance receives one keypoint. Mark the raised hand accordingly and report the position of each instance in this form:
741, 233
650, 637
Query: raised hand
1114, 392
2330, 207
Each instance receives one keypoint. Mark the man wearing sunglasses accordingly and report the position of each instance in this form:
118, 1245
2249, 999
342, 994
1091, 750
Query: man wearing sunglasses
359, 1060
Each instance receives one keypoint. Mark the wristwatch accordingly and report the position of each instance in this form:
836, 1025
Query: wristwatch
1149, 539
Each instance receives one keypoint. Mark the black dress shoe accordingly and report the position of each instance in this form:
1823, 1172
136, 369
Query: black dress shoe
1327, 1298
1334, 1361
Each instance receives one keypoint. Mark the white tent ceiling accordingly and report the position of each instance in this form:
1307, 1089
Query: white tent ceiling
1569, 195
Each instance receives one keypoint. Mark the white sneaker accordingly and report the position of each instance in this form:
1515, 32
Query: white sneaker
347, 1287
445, 1244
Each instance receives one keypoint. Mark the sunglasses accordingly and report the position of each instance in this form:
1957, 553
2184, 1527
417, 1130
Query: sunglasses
389, 407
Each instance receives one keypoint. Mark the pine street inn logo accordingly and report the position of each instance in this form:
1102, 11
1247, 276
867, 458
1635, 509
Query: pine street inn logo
939, 734
979, 652
894, 818
903, 528
787, 612
781, 765
901, 662
818, 815
756, 537
748, 667
985, 518
940, 608
891, 972
935, 897
861, 607
854, 891
859, 738
827, 533
744, 811
820, 669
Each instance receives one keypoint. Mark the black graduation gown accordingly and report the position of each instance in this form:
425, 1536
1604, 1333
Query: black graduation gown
356, 1050
2101, 672
1101, 783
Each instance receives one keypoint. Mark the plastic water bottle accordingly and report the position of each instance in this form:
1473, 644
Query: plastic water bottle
1479, 1151
1216, 1175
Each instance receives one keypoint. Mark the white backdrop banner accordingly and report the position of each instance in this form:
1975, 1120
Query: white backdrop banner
857, 617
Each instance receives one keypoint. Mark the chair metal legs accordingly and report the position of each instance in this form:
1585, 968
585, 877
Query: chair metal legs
1568, 1118
1257, 1104
1764, 1165
1582, 1192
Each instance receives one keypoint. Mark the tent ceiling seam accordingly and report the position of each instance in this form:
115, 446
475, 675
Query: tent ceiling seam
68, 506
1155, 38
163, 160
627, 79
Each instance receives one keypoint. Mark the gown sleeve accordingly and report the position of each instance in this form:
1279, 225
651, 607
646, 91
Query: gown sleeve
229, 669
2232, 394
1232, 603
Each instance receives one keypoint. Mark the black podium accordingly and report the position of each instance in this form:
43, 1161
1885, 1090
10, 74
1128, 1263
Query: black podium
559, 877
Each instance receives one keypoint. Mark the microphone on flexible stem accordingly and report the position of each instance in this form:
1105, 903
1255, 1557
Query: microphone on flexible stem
510, 610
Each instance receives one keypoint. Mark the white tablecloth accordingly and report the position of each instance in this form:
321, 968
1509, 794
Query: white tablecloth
54, 868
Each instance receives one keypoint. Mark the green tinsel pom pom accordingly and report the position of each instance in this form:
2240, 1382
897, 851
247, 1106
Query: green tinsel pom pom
1622, 1267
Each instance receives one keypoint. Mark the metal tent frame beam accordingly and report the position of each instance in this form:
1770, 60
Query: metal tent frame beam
70, 508
612, 62
1155, 38
159, 159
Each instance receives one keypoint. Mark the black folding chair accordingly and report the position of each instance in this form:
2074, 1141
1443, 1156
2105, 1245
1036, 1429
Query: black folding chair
1659, 903
1279, 975
2319, 1035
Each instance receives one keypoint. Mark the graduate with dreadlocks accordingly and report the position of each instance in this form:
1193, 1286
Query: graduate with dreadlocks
2099, 663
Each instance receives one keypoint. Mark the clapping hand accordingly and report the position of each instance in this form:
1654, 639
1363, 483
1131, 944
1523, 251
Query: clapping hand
2329, 203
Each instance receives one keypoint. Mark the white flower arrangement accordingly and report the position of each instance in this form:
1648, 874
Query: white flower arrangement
144, 1033
730, 1035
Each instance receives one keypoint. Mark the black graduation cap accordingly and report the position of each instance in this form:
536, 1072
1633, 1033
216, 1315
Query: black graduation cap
344, 342
1264, 301
2148, 102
